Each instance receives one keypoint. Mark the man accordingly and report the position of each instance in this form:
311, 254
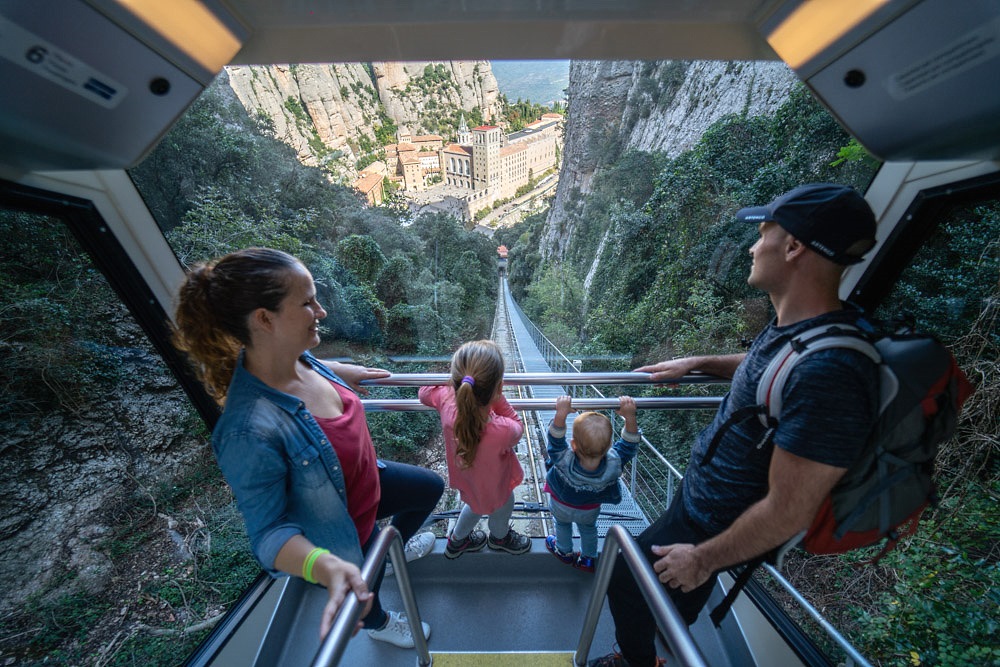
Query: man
754, 494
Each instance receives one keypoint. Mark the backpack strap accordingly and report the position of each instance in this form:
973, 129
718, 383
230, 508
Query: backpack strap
772, 382
737, 416
739, 583
776, 557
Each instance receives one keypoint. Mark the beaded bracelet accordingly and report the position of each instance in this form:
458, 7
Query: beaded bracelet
307, 566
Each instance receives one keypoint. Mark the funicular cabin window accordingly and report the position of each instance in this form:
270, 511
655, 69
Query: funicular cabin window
113, 509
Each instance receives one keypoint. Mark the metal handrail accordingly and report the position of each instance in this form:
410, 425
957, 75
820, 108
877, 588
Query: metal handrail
389, 542
673, 627
854, 657
664, 403
575, 378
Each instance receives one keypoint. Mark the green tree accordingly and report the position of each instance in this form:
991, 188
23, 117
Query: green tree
361, 256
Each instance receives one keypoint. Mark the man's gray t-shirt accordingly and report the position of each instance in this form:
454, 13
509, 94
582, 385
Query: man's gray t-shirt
830, 406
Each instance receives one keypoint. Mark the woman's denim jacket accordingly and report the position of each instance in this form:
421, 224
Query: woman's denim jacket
282, 469
572, 484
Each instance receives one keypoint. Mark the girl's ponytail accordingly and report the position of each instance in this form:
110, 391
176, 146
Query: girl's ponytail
476, 374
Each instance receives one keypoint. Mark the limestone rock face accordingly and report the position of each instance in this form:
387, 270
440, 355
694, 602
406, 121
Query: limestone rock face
649, 106
325, 111
470, 84
692, 96
319, 110
598, 96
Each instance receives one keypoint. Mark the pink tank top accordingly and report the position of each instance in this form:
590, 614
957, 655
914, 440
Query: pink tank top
353, 445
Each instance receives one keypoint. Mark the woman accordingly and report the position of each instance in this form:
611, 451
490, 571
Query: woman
292, 441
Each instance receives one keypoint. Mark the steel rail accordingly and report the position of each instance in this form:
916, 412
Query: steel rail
665, 403
854, 657
682, 645
575, 378
389, 542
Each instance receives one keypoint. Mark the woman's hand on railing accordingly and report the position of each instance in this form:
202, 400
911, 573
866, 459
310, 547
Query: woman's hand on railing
354, 375
341, 578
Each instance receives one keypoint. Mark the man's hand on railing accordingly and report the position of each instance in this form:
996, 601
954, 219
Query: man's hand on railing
673, 369
680, 567
721, 365
341, 578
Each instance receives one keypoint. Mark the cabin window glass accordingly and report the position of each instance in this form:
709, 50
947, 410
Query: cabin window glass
951, 286
102, 530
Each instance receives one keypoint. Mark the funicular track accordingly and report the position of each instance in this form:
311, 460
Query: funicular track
529, 497
528, 351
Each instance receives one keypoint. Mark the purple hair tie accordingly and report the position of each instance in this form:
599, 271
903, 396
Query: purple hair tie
471, 380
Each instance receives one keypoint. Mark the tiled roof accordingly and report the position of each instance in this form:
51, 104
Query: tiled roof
513, 148
368, 182
458, 148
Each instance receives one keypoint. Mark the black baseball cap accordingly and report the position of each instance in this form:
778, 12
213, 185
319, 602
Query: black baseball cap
830, 219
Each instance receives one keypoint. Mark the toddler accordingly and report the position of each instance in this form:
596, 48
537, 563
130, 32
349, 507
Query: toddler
584, 475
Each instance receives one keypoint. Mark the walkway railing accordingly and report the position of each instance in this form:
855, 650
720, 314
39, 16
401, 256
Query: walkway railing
674, 629
389, 542
650, 477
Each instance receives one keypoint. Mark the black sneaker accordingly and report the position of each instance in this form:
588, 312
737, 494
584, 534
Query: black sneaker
475, 541
514, 543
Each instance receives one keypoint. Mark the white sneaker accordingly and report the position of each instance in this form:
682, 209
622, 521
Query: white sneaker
397, 630
416, 547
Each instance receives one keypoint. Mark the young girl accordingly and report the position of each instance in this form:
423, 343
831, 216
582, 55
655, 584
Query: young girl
480, 433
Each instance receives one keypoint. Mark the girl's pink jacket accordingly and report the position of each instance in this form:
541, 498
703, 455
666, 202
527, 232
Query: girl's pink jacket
494, 473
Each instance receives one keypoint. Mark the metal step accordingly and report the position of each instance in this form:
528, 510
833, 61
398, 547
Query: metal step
506, 659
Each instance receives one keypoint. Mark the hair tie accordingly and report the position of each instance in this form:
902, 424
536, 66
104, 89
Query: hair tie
471, 380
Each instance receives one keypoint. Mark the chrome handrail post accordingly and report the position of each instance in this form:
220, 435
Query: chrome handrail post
633, 476
398, 559
332, 647
673, 627
605, 566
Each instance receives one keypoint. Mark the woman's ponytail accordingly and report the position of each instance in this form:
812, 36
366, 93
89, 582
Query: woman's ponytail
214, 304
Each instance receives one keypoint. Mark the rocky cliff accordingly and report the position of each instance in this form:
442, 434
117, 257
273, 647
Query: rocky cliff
327, 112
650, 106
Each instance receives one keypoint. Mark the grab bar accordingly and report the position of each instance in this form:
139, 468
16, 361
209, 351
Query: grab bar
673, 627
665, 403
421, 379
389, 542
